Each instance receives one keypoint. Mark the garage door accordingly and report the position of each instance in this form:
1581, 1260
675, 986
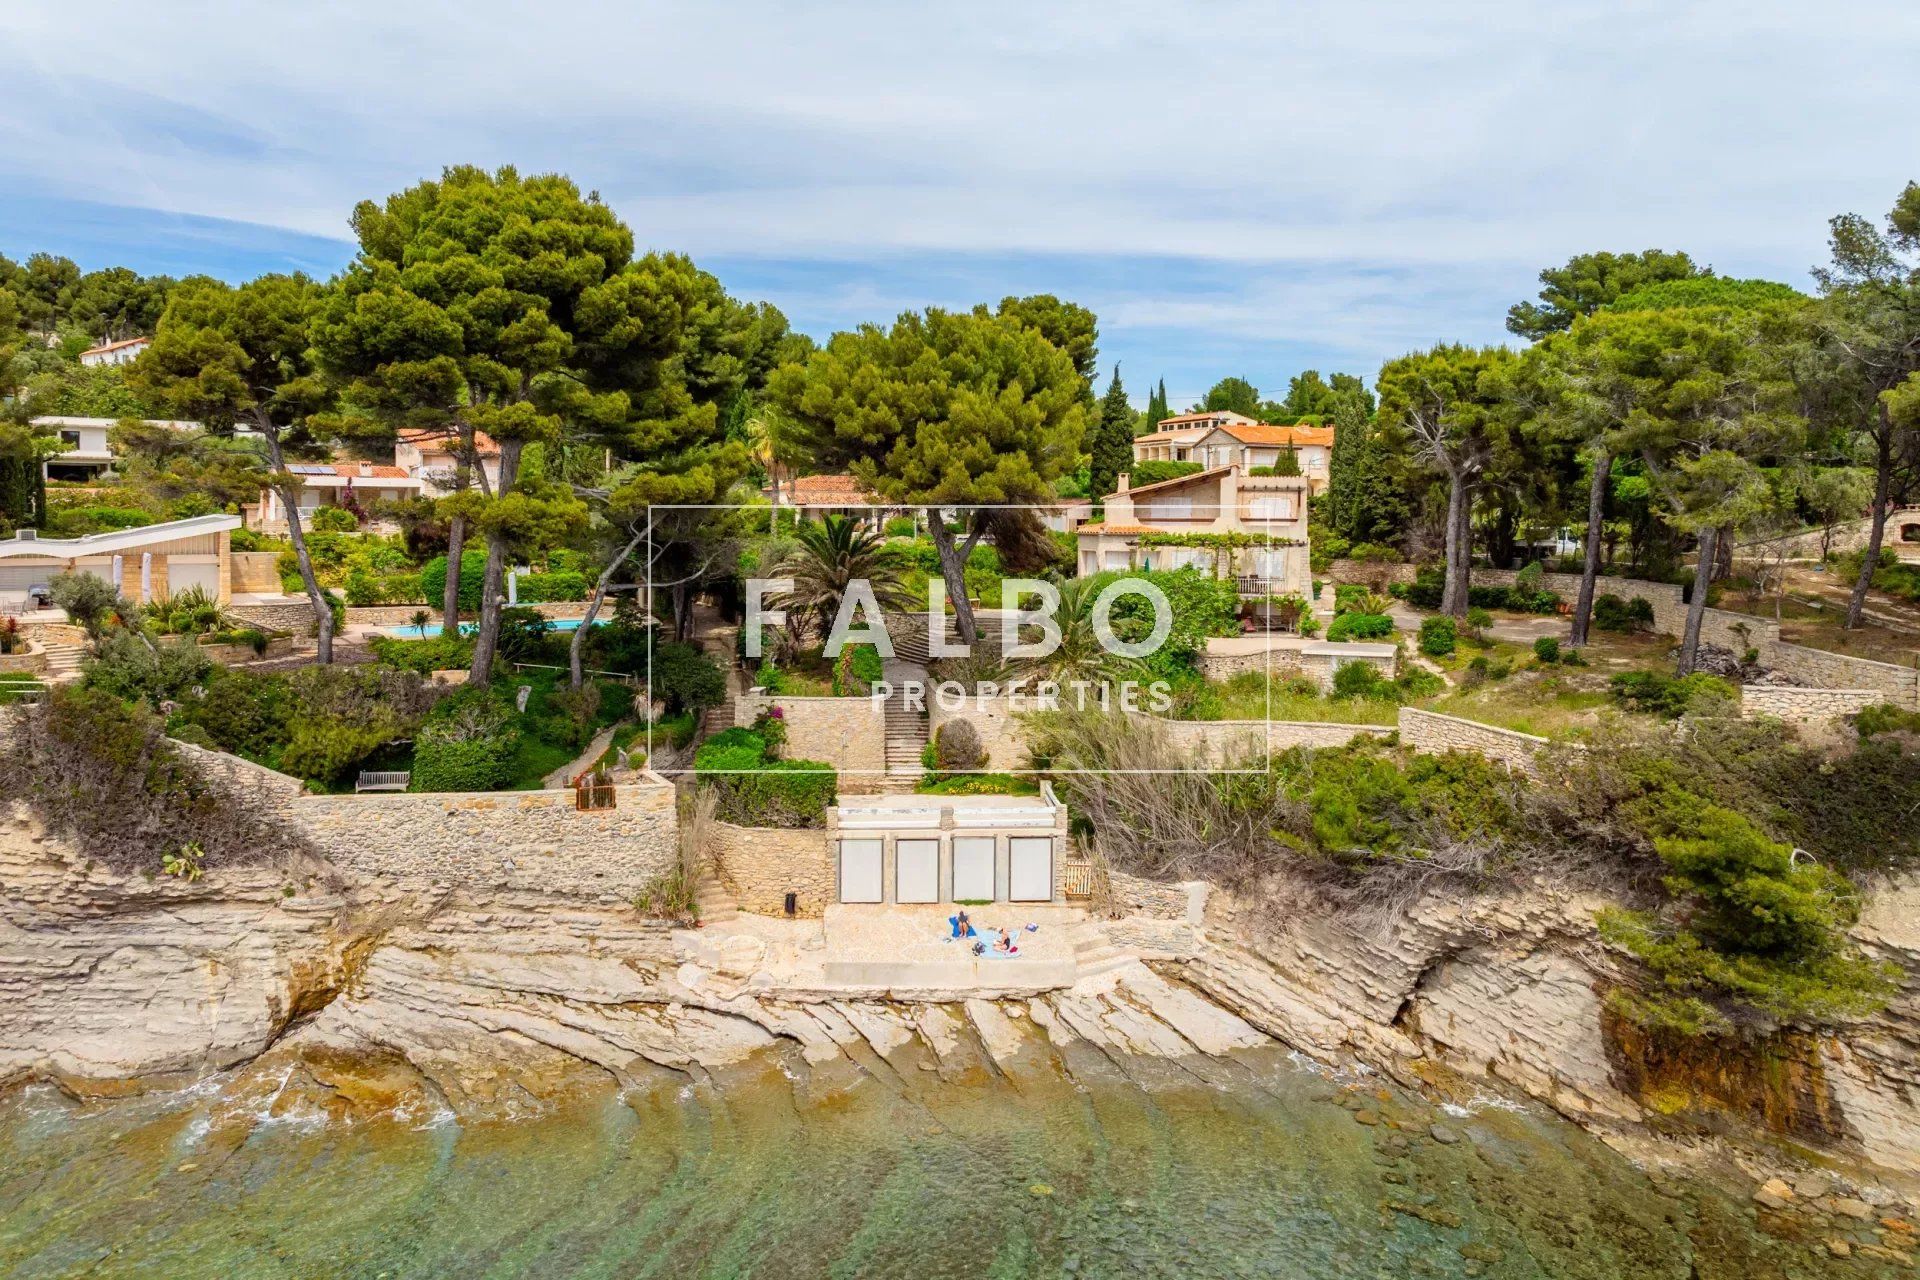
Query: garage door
973, 868
861, 879
916, 870
185, 577
1030, 869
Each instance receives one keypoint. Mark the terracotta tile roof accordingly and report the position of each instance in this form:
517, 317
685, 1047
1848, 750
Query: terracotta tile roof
1186, 435
426, 436
1122, 529
1186, 479
1204, 416
351, 471
1277, 433
830, 490
105, 347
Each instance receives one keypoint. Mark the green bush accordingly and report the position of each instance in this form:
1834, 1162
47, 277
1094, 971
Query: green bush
1157, 470
1547, 650
537, 588
957, 749
752, 790
1360, 626
129, 666
1884, 717
473, 572
241, 711
1418, 682
1438, 636
366, 587
433, 653
1478, 620
1622, 617
686, 679
1363, 680
1652, 691
333, 520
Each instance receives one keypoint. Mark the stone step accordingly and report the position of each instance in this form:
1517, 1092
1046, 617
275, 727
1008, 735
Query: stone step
1118, 960
712, 903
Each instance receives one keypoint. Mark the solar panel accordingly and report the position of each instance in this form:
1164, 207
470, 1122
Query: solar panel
311, 470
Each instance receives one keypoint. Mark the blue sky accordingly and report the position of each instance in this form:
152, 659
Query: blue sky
1244, 189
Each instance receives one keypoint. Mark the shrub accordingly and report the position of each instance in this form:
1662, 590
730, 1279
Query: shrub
89, 601
1884, 717
957, 747
1547, 650
466, 743
1622, 617
1360, 626
1418, 682
771, 725
899, 527
191, 612
473, 571
536, 588
251, 637
1157, 470
1664, 695
1438, 636
242, 712
1363, 680
130, 666
1374, 553
433, 653
686, 679
333, 520
1528, 579
752, 790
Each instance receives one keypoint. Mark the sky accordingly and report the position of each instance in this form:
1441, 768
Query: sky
1234, 189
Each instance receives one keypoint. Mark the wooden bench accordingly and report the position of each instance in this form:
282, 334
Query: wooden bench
388, 781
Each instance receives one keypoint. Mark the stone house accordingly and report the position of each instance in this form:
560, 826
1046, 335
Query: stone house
1193, 520
1219, 439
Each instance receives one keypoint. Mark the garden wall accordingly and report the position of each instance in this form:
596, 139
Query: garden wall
761, 865
30, 657
234, 654
294, 614
1216, 742
1800, 705
848, 733
255, 573
1433, 733
1002, 736
530, 840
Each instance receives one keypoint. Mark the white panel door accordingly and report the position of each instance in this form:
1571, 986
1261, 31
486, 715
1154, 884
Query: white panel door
861, 877
916, 870
1030, 869
973, 868
182, 578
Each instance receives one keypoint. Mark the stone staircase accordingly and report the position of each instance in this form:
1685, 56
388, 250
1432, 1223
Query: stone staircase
717, 718
906, 738
63, 662
1094, 952
910, 639
712, 903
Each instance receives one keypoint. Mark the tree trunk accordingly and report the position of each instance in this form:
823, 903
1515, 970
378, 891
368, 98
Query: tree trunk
486, 640
450, 598
1590, 569
953, 571
1877, 528
1723, 553
1697, 605
289, 490
683, 611
576, 673
1453, 596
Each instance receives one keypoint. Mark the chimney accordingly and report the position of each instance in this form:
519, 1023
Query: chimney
1125, 478
366, 471
27, 535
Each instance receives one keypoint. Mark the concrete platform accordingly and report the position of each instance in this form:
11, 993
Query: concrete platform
894, 947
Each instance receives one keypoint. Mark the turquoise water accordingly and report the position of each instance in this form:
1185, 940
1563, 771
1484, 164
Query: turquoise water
1279, 1174
431, 629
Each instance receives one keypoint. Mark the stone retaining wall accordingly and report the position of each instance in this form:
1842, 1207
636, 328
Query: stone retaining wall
294, 614
1284, 664
255, 572
31, 657
761, 865
1800, 705
234, 654
848, 733
1432, 733
997, 721
528, 840
399, 615
1220, 742
1162, 900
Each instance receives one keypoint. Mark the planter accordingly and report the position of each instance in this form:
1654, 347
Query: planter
30, 657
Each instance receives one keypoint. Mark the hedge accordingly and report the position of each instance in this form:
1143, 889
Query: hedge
753, 791
1360, 626
475, 764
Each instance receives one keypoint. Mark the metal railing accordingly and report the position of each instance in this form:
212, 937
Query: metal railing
593, 791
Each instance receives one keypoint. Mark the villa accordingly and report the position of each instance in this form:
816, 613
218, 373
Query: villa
429, 456
333, 484
144, 564
1219, 438
125, 351
1251, 528
89, 452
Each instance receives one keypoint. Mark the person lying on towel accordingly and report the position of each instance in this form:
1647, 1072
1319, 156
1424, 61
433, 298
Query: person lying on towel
962, 927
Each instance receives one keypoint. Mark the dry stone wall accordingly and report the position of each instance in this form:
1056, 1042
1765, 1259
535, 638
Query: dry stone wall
848, 733
1218, 742
1433, 733
1800, 705
294, 614
998, 723
761, 865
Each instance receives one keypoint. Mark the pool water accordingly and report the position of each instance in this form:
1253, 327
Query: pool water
410, 632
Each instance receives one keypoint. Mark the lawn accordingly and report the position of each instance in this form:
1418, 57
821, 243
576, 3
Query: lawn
548, 738
1247, 697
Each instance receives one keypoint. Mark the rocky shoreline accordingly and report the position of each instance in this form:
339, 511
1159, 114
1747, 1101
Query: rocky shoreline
350, 999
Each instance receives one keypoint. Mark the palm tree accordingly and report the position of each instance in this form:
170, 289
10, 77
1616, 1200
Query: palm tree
1080, 655
832, 556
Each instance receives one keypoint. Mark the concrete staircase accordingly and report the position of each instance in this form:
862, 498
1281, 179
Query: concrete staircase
713, 903
910, 640
63, 662
1094, 952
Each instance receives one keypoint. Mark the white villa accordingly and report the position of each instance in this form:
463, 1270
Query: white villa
429, 457
1143, 529
125, 351
332, 484
143, 564
1218, 438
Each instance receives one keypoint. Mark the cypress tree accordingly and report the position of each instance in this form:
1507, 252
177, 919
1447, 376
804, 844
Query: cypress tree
1156, 407
1112, 449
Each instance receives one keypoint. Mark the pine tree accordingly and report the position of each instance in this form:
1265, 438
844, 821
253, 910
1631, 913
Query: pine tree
1112, 447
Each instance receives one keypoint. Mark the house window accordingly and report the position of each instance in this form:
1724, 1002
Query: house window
1910, 533
1270, 509
70, 437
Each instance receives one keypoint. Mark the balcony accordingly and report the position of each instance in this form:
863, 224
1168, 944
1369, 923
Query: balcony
1249, 585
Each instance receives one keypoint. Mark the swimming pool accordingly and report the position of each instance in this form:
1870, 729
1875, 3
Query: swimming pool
411, 632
